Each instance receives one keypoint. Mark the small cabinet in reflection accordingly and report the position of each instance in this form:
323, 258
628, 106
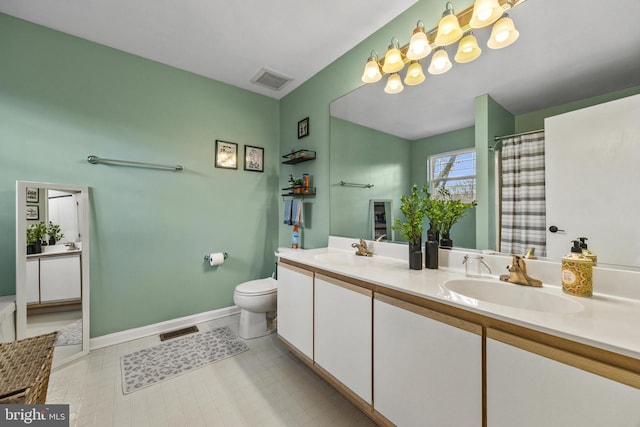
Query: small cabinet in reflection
381, 220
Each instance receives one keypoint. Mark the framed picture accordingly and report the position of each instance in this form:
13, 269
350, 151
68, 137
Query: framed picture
303, 128
253, 158
33, 212
32, 195
226, 154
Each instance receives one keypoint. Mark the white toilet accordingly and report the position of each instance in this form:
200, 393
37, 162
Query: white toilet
257, 300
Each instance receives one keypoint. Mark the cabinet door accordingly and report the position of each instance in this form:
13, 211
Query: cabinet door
426, 371
343, 333
33, 281
60, 278
295, 307
527, 389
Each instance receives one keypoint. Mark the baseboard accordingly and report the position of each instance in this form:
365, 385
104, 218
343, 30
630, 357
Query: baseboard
158, 328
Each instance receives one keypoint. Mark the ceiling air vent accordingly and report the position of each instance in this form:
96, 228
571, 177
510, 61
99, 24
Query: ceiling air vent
271, 79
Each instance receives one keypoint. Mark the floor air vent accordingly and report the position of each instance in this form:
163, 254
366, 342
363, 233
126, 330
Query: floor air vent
271, 79
178, 333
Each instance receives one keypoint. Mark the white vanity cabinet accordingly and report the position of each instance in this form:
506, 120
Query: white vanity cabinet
60, 278
33, 281
342, 332
427, 366
295, 308
526, 388
53, 278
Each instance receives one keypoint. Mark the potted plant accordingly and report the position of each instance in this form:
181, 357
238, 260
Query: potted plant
53, 231
35, 234
444, 211
414, 208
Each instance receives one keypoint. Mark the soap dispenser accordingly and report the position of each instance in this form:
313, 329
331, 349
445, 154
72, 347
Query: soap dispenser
577, 272
586, 252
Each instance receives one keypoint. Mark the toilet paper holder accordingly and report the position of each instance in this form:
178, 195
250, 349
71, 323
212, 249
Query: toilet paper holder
207, 257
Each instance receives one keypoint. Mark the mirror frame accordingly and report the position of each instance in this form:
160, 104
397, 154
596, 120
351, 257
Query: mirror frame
21, 258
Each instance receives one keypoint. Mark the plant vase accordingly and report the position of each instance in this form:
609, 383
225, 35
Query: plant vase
431, 250
415, 256
445, 241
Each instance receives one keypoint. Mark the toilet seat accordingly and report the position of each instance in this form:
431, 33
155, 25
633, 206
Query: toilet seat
258, 287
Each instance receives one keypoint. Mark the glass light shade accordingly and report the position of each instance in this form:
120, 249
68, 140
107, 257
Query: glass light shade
485, 13
393, 60
503, 34
371, 71
394, 84
440, 62
449, 30
414, 76
418, 45
468, 49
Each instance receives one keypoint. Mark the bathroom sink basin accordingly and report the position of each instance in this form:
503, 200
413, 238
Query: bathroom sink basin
344, 258
470, 291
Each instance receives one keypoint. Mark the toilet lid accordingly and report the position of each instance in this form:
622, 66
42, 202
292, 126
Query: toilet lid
258, 287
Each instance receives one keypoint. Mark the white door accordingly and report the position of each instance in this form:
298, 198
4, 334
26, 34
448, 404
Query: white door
60, 278
33, 281
295, 307
592, 157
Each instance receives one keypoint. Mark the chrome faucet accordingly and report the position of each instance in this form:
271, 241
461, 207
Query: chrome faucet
518, 274
382, 236
361, 248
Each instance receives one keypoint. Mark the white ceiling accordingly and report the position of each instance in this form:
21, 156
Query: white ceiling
229, 41
599, 52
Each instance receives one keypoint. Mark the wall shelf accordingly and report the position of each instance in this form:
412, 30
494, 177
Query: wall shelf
299, 191
298, 157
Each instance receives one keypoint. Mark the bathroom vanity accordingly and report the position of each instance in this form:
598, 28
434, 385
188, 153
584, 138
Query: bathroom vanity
408, 350
54, 278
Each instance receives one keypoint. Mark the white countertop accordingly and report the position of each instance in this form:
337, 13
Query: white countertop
608, 322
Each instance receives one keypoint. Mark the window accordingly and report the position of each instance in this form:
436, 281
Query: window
455, 171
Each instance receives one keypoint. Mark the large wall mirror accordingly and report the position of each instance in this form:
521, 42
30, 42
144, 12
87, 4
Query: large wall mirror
52, 265
374, 135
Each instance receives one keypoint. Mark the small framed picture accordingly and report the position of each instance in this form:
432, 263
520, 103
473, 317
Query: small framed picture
33, 212
226, 154
32, 195
303, 128
253, 158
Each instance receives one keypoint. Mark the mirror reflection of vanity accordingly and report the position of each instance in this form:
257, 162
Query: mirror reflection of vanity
52, 281
413, 116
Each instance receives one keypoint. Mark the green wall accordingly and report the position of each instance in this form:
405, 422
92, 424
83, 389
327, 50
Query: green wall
365, 156
63, 98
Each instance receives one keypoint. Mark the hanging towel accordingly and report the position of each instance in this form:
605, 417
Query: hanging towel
297, 212
287, 212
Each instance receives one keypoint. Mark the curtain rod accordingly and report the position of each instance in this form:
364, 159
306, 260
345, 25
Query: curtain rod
95, 160
498, 138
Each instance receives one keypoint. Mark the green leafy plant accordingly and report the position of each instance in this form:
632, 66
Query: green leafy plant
36, 232
444, 211
414, 207
53, 231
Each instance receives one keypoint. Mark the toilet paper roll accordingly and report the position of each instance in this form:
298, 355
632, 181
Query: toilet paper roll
216, 258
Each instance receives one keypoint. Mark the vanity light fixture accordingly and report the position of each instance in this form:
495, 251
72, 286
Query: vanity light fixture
415, 75
440, 62
419, 46
451, 29
372, 72
503, 33
468, 49
485, 13
394, 84
393, 59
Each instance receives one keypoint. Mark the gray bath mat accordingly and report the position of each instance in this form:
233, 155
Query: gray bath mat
70, 334
178, 356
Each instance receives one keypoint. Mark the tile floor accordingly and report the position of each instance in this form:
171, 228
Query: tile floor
265, 386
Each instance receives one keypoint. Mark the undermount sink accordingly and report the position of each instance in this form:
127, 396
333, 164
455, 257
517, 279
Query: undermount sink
470, 291
344, 258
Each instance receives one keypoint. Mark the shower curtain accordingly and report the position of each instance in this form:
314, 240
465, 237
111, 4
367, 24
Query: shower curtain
523, 223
